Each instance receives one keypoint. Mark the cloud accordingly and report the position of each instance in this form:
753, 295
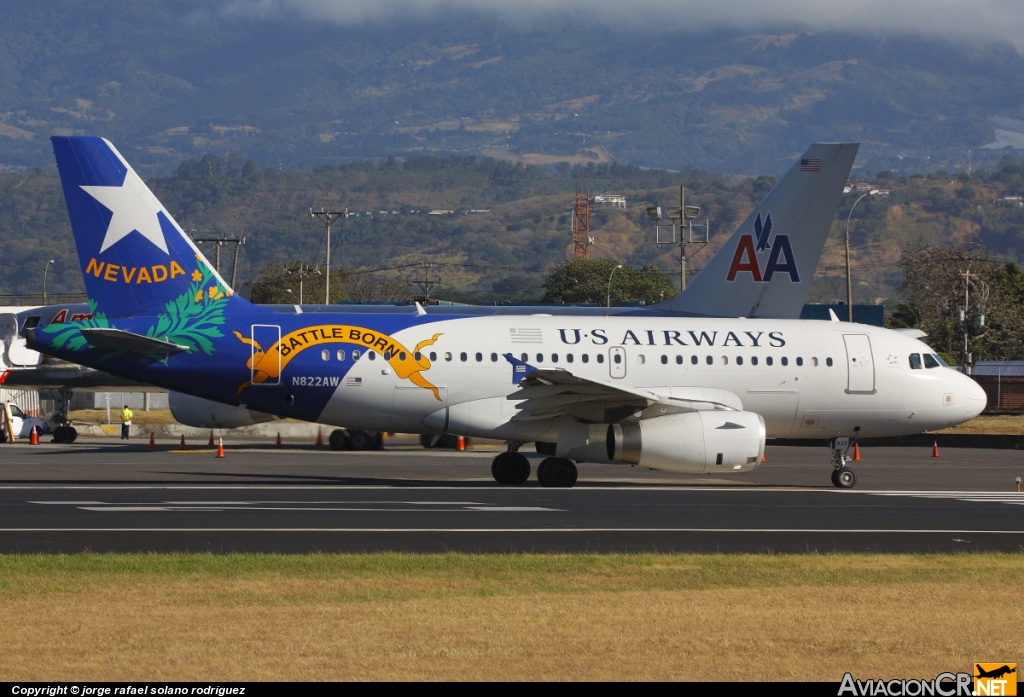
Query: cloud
971, 20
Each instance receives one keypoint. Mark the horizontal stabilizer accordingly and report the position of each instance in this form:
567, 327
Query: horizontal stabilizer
119, 340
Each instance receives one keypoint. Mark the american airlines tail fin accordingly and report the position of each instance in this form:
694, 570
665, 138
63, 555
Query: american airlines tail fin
766, 268
133, 255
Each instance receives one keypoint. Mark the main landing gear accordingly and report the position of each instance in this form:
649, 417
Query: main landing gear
64, 432
842, 476
512, 467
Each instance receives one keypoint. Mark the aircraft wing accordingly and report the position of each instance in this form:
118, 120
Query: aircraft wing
547, 393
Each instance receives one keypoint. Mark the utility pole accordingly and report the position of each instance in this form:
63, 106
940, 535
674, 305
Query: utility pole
682, 240
327, 218
220, 241
426, 284
303, 274
964, 315
45, 270
685, 215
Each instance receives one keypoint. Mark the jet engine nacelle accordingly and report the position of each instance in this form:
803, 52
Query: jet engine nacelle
702, 441
202, 413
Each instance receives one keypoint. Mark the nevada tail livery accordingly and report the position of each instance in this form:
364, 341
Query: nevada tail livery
780, 259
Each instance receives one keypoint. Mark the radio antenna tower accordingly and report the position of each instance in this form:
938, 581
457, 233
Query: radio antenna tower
581, 239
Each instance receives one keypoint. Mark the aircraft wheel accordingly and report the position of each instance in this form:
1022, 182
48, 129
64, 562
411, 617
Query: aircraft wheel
519, 468
835, 471
362, 440
557, 472
71, 434
59, 434
339, 440
844, 478
510, 468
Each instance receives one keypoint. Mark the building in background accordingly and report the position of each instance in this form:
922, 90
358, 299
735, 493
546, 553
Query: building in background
1003, 382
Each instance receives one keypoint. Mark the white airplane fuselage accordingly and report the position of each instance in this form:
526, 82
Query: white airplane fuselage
807, 379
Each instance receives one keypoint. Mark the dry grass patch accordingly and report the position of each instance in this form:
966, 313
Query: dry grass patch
139, 417
1005, 424
391, 616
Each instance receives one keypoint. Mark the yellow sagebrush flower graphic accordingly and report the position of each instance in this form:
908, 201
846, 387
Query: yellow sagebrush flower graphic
197, 275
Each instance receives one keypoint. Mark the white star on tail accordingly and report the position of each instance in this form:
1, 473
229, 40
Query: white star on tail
134, 207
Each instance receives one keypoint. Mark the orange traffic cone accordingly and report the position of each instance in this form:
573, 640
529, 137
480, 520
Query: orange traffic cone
856, 452
182, 446
279, 439
320, 438
460, 444
33, 437
935, 449
152, 439
764, 458
220, 446
211, 438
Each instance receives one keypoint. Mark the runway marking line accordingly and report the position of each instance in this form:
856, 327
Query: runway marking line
522, 530
384, 487
203, 506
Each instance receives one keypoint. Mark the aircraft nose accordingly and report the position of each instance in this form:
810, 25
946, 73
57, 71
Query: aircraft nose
976, 397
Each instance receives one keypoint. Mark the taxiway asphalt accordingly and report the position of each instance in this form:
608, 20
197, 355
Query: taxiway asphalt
102, 495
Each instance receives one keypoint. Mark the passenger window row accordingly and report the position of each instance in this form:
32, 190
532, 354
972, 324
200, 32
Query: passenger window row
930, 360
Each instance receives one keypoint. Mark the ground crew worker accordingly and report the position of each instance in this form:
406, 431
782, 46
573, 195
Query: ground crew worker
126, 422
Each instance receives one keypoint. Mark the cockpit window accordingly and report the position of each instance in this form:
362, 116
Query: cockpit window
929, 361
915, 361
941, 362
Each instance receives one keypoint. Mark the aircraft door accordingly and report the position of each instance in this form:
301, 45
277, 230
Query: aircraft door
264, 336
859, 363
617, 361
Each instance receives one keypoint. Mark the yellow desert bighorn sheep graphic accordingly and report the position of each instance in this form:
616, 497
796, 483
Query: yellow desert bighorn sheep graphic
268, 364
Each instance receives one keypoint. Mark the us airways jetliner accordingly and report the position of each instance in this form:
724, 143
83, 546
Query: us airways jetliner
682, 394
764, 269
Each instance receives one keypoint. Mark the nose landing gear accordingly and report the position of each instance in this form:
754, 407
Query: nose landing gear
842, 476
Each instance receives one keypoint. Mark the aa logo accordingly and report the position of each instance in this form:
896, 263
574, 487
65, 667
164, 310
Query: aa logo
747, 257
995, 679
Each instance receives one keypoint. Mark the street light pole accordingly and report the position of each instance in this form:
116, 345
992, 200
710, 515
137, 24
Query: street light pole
849, 282
44, 279
608, 300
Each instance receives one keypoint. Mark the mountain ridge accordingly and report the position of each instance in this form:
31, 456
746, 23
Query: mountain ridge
170, 80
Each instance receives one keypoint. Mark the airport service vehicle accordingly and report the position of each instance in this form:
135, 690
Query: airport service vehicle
21, 423
675, 393
754, 274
